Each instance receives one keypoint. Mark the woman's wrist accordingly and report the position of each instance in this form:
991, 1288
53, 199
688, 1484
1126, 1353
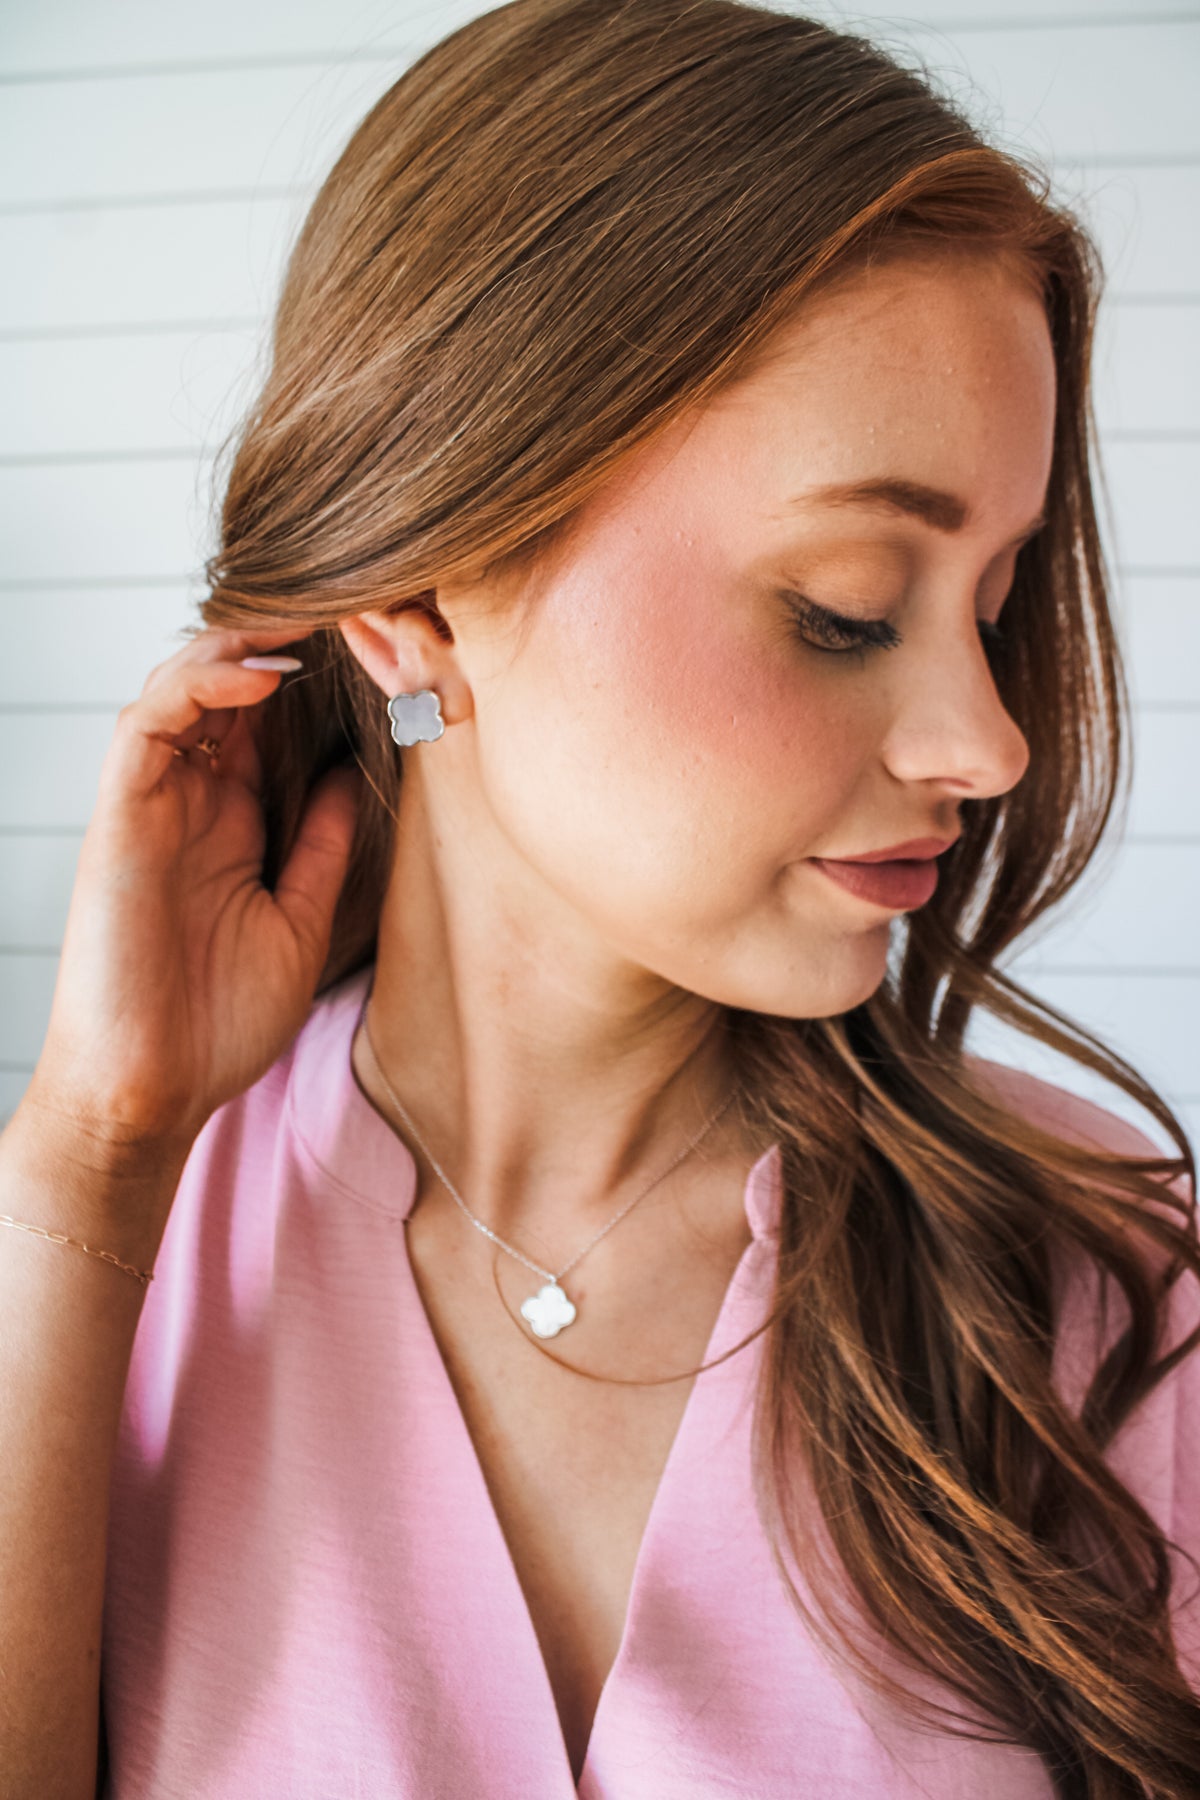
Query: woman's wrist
61, 1177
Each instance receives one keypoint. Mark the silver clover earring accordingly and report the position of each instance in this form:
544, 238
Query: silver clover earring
416, 718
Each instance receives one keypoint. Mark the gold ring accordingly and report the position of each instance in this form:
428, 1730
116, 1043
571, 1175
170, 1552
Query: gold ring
210, 746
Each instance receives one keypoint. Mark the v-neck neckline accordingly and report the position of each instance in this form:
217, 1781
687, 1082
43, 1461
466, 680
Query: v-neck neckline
348, 1117
688, 1424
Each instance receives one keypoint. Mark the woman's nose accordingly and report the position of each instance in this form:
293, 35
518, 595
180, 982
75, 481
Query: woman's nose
949, 722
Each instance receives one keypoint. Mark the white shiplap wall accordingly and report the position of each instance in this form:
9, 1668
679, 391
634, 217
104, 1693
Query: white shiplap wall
154, 164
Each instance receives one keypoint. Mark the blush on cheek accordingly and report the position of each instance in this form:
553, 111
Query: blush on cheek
678, 671
739, 711
670, 673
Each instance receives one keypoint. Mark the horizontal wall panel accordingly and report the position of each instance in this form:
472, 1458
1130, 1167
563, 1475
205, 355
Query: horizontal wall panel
27, 983
279, 126
166, 391
1019, 15
37, 875
76, 34
1147, 368
1165, 800
1153, 487
1135, 907
986, 1037
1189, 1118
13, 1083
145, 265
60, 757
984, 16
1085, 90
1159, 629
87, 520
1075, 91
89, 646
1148, 1018
1139, 219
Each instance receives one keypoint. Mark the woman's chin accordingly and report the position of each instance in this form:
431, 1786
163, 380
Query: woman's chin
817, 984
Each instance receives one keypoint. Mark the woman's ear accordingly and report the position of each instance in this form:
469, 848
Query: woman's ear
407, 650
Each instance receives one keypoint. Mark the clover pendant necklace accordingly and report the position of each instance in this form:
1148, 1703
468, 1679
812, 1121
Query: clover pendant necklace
550, 1310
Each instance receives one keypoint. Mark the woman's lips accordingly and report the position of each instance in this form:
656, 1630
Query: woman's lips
897, 884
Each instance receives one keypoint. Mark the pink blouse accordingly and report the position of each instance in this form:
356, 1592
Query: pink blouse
308, 1594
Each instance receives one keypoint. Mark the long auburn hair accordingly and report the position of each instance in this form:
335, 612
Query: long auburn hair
561, 225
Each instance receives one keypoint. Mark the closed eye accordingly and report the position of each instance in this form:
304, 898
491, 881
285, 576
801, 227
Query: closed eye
833, 633
824, 629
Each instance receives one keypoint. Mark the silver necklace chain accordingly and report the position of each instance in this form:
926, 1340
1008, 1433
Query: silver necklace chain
550, 1311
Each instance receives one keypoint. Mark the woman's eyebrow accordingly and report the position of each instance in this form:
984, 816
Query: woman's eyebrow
934, 506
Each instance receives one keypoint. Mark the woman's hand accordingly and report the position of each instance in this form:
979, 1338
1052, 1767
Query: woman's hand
182, 978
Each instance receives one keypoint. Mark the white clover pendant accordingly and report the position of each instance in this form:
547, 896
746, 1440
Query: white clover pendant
548, 1311
416, 718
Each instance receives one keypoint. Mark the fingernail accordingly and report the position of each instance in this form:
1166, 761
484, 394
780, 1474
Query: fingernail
271, 662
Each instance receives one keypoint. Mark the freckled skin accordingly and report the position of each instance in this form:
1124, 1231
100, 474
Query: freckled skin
640, 755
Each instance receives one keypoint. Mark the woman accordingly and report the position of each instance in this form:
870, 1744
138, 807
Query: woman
677, 443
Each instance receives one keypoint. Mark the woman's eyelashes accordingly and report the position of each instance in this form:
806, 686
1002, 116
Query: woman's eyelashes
823, 629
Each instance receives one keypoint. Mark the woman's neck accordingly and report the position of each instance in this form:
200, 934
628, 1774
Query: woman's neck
540, 1087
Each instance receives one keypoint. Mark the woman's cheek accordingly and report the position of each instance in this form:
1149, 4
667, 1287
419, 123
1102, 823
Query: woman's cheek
767, 731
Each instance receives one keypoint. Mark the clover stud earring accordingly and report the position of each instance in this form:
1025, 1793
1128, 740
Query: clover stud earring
416, 718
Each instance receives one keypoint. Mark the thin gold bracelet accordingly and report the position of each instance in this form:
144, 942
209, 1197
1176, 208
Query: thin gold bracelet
57, 1237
